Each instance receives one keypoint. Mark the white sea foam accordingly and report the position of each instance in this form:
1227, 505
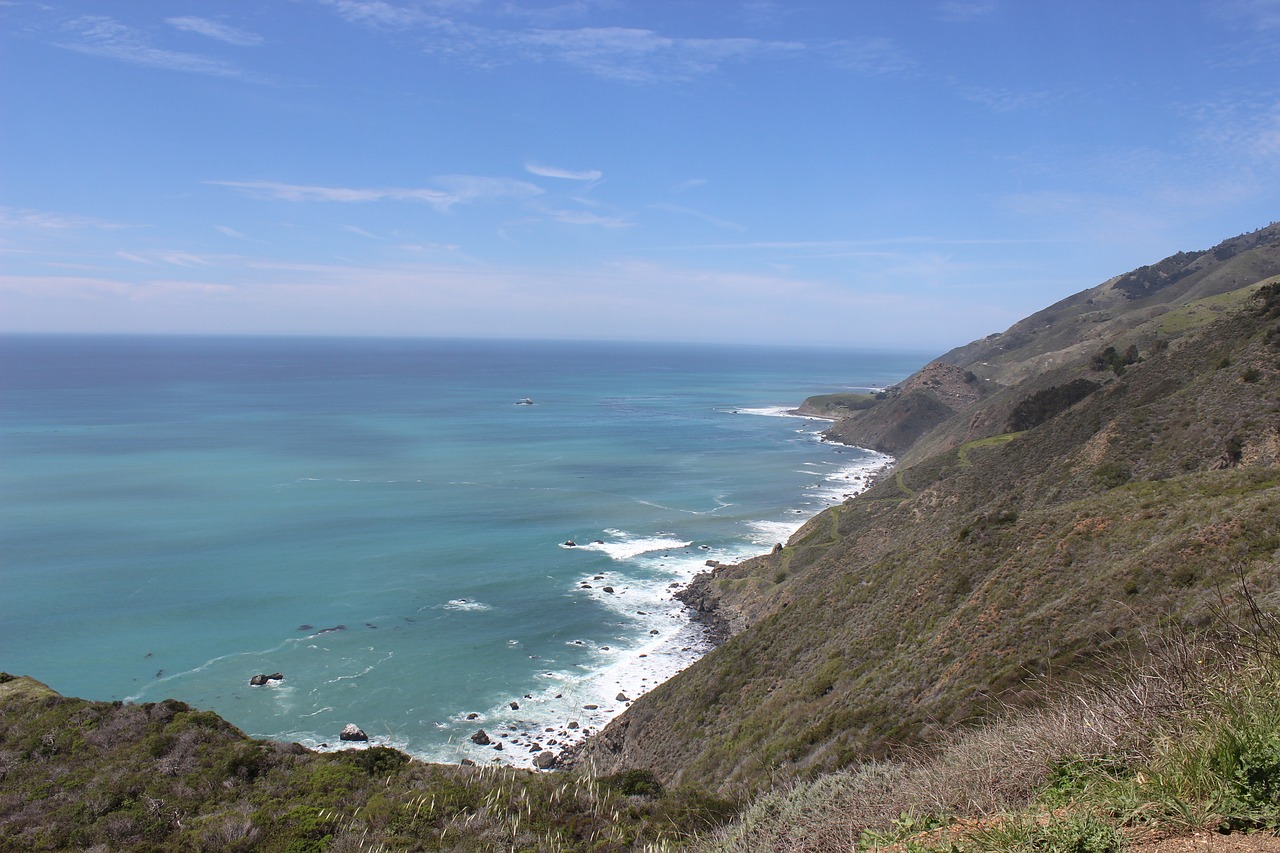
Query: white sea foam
625, 546
652, 641
465, 604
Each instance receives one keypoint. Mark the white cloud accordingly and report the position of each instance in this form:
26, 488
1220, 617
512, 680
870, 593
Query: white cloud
959, 11
705, 217
104, 37
215, 30
46, 220
685, 186
625, 54
1264, 14
872, 56
377, 12
568, 174
230, 232
457, 189
637, 55
1003, 100
585, 217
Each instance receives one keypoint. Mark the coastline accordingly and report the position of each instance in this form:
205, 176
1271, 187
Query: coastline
700, 606
548, 729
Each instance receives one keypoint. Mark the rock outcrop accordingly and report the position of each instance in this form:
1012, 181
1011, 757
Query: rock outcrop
353, 732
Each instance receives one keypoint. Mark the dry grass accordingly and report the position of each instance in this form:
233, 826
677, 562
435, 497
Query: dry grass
1096, 748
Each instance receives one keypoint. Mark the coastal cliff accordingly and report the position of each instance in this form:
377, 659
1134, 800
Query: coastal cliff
1032, 530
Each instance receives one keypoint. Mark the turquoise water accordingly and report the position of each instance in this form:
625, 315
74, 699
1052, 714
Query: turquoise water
180, 514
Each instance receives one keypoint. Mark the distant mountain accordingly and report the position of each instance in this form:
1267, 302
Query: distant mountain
1107, 465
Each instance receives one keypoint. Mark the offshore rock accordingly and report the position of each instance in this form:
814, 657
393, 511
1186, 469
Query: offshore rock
481, 738
353, 732
259, 680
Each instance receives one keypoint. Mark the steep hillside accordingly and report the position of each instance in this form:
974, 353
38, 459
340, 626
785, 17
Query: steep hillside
1075, 327
1108, 494
897, 419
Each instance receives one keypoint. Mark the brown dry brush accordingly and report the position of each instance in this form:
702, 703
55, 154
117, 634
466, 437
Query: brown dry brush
1094, 723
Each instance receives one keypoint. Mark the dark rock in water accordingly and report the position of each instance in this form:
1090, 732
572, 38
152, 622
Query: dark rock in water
586, 585
473, 716
573, 724
467, 762
654, 631
607, 589
515, 706
545, 760
259, 680
331, 630
590, 707
599, 541
481, 738
353, 732
621, 697
498, 746
528, 695
569, 543
306, 627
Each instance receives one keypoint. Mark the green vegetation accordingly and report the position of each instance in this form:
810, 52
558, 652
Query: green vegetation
837, 405
164, 776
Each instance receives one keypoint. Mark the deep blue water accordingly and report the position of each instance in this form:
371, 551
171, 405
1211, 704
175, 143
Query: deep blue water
180, 514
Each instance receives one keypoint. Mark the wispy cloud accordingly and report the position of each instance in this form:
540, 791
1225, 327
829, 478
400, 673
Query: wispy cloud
215, 30
705, 217
377, 12
47, 220
1254, 13
959, 11
634, 55
230, 232
685, 186
568, 174
586, 217
1004, 100
624, 54
1245, 131
451, 190
105, 37
872, 56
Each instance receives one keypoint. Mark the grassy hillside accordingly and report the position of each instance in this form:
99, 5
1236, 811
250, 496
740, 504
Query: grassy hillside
939, 594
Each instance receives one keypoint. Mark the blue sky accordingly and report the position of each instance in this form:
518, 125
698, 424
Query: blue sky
865, 174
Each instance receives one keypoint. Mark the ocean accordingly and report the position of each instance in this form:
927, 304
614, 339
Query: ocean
386, 522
